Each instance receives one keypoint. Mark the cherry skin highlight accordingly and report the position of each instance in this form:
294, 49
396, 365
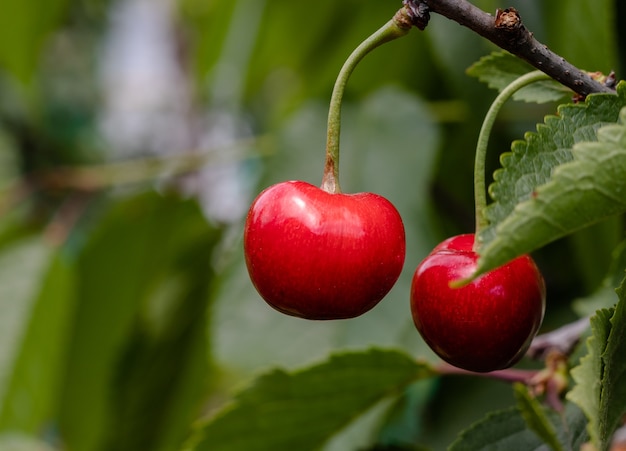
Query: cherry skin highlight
317, 255
486, 325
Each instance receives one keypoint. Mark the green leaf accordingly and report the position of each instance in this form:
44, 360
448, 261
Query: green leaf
532, 160
30, 401
303, 409
572, 426
163, 377
404, 419
137, 365
503, 430
604, 296
536, 417
612, 405
23, 264
333, 30
507, 430
587, 376
601, 376
24, 26
402, 447
594, 50
18, 442
500, 69
558, 180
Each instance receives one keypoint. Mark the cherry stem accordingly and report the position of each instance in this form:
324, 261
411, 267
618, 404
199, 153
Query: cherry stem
480, 189
397, 27
551, 381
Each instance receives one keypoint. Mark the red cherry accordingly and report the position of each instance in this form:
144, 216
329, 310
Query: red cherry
318, 255
483, 326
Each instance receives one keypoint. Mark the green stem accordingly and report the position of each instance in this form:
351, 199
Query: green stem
395, 28
480, 189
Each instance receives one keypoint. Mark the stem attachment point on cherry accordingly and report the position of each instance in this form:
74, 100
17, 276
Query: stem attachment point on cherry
397, 27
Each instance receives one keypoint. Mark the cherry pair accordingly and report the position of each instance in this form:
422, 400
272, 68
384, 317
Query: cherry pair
320, 255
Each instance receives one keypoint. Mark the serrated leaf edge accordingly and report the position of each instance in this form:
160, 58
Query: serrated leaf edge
508, 250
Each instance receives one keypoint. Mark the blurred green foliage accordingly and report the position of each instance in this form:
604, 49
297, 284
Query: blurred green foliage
125, 310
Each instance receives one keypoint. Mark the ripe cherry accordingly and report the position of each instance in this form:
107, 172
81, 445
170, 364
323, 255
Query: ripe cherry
320, 255
485, 325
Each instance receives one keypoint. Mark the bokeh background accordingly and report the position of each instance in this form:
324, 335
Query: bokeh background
135, 133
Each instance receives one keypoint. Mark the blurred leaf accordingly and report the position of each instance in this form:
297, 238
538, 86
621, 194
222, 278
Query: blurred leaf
163, 378
303, 409
389, 139
404, 422
403, 447
137, 355
592, 248
30, 401
24, 26
604, 296
362, 432
207, 24
558, 180
600, 387
9, 160
277, 71
596, 48
500, 69
17, 442
535, 417
277, 48
504, 430
454, 50
22, 266
571, 427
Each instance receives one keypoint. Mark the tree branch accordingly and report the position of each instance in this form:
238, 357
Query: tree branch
99, 176
562, 340
96, 177
507, 31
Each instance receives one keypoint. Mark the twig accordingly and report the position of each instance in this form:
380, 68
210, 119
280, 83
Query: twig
562, 340
92, 178
66, 217
96, 177
551, 381
507, 31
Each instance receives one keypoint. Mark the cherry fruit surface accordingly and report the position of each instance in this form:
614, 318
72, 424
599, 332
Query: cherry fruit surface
320, 255
485, 325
